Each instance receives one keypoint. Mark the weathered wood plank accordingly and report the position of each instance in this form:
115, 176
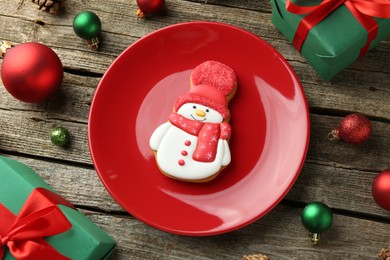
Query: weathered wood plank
121, 28
355, 92
82, 186
350, 91
279, 234
347, 92
118, 18
338, 187
336, 173
70, 103
262, 5
139, 241
28, 132
78, 184
374, 155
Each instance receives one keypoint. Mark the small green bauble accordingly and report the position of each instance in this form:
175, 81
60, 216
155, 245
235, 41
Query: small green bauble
60, 136
87, 25
317, 217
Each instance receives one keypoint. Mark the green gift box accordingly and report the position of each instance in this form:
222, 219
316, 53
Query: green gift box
82, 240
334, 43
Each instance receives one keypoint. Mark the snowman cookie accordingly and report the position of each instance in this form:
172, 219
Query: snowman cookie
193, 145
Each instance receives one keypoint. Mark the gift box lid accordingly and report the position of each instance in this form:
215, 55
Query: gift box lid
332, 44
85, 240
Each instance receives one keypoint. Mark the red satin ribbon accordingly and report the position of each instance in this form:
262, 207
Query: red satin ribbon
363, 10
38, 218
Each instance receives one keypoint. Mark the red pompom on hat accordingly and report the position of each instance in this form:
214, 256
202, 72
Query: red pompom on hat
211, 82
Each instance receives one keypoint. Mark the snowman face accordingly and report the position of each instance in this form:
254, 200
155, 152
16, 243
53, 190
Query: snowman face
200, 113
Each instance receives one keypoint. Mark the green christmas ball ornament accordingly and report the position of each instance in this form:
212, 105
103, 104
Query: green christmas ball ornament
60, 136
316, 218
87, 25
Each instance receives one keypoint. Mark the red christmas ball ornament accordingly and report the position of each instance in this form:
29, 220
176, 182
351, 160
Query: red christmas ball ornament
381, 189
31, 72
148, 7
354, 129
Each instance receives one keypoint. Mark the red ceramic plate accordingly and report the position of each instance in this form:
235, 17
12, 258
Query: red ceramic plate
270, 129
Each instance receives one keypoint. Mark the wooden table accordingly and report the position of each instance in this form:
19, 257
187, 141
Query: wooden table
336, 173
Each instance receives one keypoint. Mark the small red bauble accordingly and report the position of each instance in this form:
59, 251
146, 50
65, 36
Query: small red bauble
31, 72
149, 6
381, 189
354, 129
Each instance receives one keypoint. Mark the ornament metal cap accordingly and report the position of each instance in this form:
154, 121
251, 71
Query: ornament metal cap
334, 135
384, 253
93, 43
4, 46
146, 7
314, 238
255, 257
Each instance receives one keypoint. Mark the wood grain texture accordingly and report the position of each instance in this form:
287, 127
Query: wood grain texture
317, 182
277, 235
336, 173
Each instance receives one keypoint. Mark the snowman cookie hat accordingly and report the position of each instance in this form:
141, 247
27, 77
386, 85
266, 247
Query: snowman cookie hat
213, 84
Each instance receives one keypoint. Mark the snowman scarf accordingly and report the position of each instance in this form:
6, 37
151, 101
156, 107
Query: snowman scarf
208, 135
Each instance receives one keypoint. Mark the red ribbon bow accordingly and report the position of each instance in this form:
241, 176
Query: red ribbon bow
363, 10
39, 217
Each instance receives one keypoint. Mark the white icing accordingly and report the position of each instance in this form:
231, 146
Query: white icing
226, 157
189, 110
169, 141
169, 154
158, 135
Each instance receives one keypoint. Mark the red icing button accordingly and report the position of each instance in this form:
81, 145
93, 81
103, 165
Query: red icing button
181, 162
187, 143
184, 152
